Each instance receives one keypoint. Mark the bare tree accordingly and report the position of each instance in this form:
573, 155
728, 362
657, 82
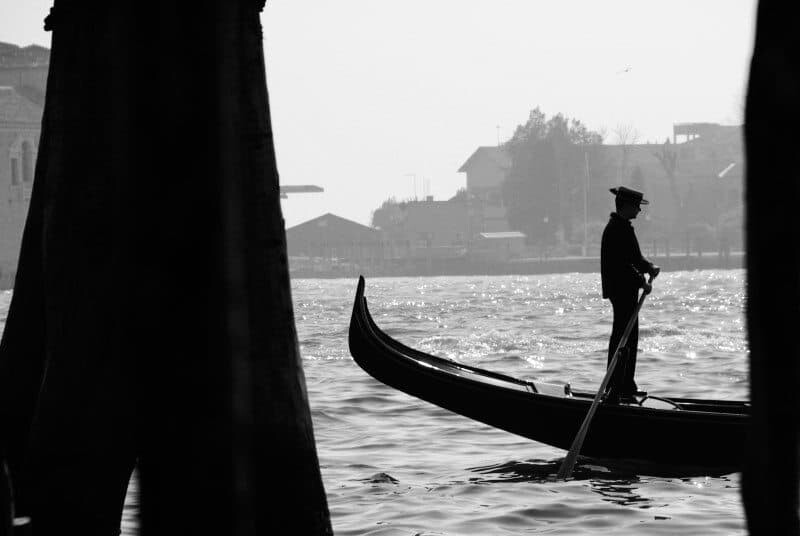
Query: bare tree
668, 158
626, 136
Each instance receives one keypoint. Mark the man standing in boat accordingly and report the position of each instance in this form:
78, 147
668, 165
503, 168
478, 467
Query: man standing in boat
622, 268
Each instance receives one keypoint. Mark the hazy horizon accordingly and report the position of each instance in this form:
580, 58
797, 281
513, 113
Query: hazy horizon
369, 98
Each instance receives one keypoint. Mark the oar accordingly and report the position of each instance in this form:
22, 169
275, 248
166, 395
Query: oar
565, 471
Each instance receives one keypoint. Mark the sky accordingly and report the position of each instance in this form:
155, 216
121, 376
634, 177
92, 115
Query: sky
373, 99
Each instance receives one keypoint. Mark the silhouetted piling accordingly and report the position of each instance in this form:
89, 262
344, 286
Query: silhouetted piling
153, 285
770, 481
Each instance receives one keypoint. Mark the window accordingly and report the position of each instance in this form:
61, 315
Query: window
27, 162
14, 171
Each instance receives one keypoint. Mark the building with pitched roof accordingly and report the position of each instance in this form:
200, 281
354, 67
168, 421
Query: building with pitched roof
329, 243
486, 170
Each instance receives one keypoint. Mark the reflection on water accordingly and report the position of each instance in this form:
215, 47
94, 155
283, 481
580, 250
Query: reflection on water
526, 471
622, 492
615, 482
613, 487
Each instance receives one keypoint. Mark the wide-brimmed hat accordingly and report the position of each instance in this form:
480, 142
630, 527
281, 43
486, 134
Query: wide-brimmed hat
629, 195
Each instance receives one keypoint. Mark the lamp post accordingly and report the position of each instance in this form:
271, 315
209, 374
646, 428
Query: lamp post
543, 252
586, 206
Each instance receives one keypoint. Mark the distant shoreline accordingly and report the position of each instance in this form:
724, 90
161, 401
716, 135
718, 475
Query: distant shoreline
552, 265
461, 267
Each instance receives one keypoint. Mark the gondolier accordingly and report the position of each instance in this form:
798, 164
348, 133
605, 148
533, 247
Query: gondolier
622, 269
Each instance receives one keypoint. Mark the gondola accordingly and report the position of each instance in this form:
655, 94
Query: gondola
667, 432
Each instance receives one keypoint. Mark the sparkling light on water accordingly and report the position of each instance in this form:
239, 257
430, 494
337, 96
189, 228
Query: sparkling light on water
394, 465
450, 475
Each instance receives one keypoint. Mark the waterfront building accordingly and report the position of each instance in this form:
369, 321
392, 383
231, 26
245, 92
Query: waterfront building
429, 230
437, 229
25, 69
330, 243
695, 182
23, 79
498, 246
425, 229
486, 171
20, 126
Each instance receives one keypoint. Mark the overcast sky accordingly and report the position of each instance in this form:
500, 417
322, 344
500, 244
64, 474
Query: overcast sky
370, 97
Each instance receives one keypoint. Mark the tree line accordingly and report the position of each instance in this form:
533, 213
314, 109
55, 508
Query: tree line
557, 163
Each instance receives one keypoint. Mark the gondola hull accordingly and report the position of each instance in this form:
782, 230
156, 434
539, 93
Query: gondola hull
674, 432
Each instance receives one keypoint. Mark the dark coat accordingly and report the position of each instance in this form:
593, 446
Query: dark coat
621, 262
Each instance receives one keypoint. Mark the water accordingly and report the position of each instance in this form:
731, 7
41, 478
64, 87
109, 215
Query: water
394, 465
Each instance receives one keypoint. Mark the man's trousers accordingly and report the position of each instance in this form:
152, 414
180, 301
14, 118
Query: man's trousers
622, 382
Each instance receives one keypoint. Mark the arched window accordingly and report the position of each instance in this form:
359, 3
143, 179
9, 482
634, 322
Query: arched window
15, 171
27, 162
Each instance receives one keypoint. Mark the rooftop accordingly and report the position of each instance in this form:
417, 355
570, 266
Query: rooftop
496, 154
18, 109
329, 220
28, 56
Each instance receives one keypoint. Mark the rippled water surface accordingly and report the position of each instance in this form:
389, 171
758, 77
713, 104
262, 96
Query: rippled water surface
394, 465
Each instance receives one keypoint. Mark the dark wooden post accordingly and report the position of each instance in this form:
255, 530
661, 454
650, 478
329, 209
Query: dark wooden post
153, 285
6, 502
770, 480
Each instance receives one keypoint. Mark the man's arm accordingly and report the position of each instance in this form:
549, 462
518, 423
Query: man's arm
636, 266
646, 267
643, 265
